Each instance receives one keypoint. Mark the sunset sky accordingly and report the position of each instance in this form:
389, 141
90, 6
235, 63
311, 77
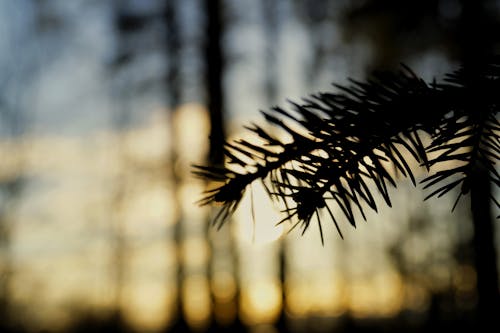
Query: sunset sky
92, 222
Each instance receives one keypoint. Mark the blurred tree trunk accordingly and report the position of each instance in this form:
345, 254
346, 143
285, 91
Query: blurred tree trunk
222, 258
477, 41
173, 91
271, 25
125, 24
484, 252
270, 12
119, 117
214, 68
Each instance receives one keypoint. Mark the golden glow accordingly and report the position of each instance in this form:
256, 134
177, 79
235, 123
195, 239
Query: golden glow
380, 296
195, 252
223, 286
189, 193
147, 305
149, 204
224, 292
196, 301
325, 296
260, 302
191, 124
64, 248
260, 226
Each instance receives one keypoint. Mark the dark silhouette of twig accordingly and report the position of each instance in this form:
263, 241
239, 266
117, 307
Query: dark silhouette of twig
345, 142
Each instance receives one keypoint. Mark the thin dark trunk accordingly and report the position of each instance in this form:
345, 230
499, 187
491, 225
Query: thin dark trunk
484, 252
173, 92
476, 43
214, 73
222, 244
271, 21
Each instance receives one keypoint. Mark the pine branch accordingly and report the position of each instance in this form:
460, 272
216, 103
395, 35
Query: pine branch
341, 145
467, 137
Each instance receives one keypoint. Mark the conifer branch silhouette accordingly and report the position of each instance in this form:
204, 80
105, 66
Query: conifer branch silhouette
342, 145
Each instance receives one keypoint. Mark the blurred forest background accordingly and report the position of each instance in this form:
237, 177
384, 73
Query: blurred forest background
104, 106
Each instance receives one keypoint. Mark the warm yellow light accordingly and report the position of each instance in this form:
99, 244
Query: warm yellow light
147, 305
224, 292
195, 252
381, 295
223, 286
189, 193
191, 126
261, 302
149, 204
196, 301
256, 218
297, 299
390, 293
328, 297
316, 296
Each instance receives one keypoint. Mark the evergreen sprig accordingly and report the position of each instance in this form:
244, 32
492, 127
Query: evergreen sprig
341, 146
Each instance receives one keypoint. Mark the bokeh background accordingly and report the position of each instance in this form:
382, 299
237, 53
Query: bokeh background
104, 107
